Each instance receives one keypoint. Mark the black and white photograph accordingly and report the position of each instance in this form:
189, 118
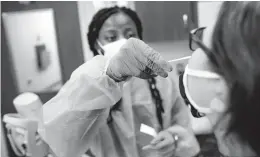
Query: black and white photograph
130, 78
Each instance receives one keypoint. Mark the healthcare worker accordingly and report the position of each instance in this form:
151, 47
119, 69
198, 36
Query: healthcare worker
222, 89
104, 104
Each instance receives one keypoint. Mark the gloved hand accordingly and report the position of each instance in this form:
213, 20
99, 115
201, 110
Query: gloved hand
163, 143
177, 141
137, 59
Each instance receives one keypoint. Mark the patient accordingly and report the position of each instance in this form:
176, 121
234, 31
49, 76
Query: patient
222, 89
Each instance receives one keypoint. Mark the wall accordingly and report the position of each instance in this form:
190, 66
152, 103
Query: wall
207, 12
162, 20
86, 11
68, 37
69, 45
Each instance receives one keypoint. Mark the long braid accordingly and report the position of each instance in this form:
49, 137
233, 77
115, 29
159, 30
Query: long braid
157, 100
100, 17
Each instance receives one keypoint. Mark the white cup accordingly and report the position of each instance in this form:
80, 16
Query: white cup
28, 105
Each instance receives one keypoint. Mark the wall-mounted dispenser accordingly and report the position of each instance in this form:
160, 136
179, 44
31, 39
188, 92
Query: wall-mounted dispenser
32, 43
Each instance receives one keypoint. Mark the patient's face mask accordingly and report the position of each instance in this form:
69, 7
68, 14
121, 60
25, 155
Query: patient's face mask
200, 90
205, 92
112, 48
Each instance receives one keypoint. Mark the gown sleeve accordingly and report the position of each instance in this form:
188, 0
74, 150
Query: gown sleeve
70, 120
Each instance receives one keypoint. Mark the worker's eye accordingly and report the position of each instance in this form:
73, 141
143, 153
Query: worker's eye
111, 38
130, 34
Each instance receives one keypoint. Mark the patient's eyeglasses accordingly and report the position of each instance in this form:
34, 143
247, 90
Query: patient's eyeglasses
195, 37
195, 40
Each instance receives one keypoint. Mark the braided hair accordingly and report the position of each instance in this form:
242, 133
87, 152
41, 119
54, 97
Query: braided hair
98, 20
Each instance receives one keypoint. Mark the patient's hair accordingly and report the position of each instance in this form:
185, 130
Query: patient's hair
236, 55
102, 15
